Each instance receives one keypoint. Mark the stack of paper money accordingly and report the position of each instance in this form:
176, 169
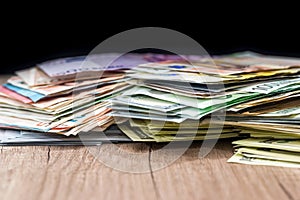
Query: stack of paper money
159, 98
69, 95
190, 96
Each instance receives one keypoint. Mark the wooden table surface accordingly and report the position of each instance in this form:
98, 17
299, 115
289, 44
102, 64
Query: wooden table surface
71, 172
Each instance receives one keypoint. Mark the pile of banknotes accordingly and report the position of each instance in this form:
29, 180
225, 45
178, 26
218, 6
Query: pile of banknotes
67, 96
159, 98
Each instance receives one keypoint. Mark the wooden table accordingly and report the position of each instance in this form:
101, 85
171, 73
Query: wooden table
52, 172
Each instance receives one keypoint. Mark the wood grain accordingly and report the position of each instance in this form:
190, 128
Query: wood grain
73, 173
55, 172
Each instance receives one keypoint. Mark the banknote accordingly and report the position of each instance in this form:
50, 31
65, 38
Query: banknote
99, 62
82, 123
180, 99
263, 100
34, 76
189, 91
126, 108
87, 96
33, 96
60, 123
143, 135
251, 61
273, 106
45, 91
273, 127
71, 66
179, 77
207, 90
220, 78
187, 112
137, 115
271, 86
179, 138
262, 75
134, 133
187, 101
266, 134
242, 159
205, 66
147, 102
14, 95
241, 63
188, 124
283, 112
7, 100
187, 132
50, 110
285, 145
87, 126
267, 150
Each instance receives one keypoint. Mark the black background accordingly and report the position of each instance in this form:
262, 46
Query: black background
32, 36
